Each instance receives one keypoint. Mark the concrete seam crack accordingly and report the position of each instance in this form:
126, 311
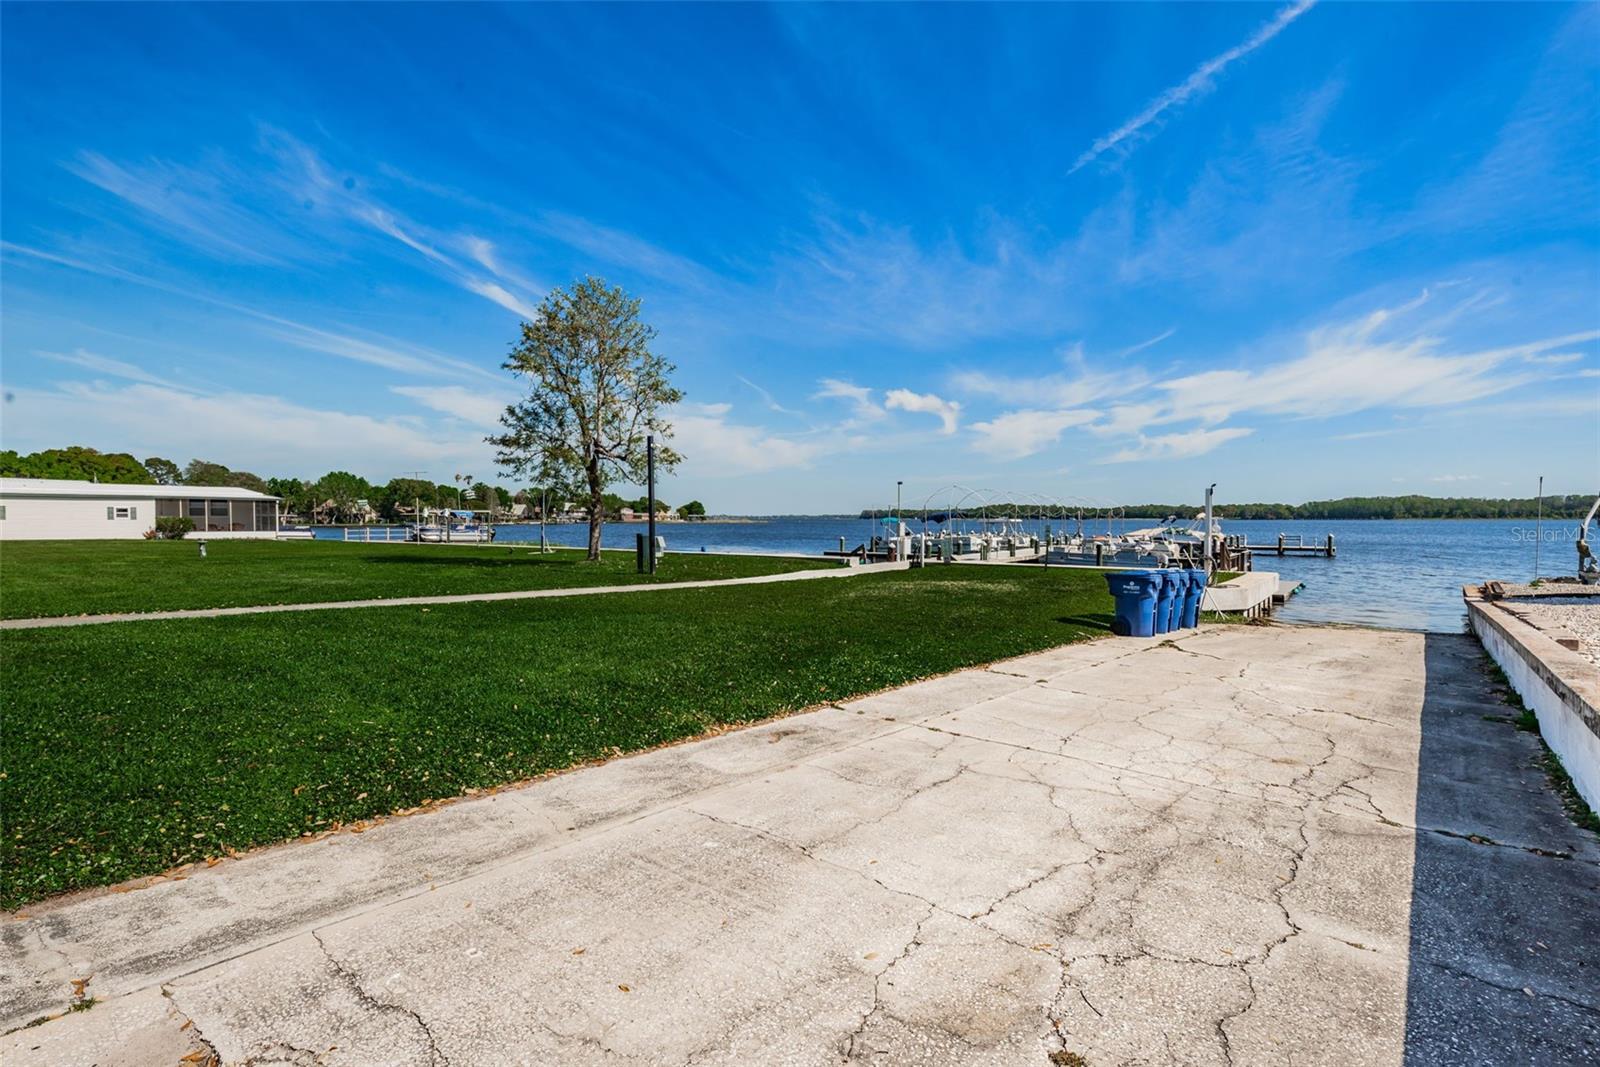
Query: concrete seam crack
435, 1054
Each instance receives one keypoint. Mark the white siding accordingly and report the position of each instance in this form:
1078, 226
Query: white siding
74, 518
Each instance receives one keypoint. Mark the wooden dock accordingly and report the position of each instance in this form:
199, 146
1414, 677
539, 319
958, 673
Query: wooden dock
1296, 545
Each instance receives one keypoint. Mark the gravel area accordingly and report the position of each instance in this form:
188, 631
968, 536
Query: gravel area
1550, 588
1579, 620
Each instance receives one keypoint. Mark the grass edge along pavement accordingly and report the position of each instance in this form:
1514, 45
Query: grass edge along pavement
213, 736
43, 579
1556, 774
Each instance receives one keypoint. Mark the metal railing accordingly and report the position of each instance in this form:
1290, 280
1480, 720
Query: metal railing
375, 533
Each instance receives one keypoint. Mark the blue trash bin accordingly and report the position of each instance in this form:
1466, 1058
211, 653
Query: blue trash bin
1136, 593
1165, 599
1192, 597
1180, 584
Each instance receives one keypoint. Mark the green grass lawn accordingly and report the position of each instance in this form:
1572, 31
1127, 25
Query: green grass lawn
39, 578
132, 747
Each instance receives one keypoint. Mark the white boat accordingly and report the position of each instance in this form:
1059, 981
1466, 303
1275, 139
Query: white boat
1169, 544
456, 526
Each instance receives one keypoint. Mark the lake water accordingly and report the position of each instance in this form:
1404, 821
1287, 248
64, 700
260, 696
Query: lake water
1404, 574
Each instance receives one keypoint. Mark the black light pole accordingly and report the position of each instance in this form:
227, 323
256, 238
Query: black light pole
650, 491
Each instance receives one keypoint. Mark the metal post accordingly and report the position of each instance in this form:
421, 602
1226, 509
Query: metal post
1538, 529
1209, 491
898, 544
650, 492
544, 506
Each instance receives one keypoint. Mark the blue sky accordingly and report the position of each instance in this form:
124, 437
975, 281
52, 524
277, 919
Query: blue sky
1110, 253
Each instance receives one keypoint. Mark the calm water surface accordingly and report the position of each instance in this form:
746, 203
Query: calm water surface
1405, 574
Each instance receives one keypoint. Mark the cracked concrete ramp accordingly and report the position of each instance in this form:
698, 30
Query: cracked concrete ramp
1252, 845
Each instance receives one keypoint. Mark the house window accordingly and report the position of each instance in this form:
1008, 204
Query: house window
2, 513
197, 510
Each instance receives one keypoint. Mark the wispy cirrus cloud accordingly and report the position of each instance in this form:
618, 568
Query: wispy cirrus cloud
1198, 82
1385, 360
372, 349
478, 407
1184, 445
265, 433
1026, 432
198, 205
1352, 367
116, 368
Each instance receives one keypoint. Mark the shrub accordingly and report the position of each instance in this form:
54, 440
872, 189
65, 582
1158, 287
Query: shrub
173, 527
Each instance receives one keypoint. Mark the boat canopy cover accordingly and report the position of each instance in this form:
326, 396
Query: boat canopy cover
462, 514
940, 518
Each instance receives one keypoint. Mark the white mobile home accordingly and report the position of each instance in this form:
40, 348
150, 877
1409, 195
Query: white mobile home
51, 509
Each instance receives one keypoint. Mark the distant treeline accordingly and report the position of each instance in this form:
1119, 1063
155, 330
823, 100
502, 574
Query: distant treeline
337, 496
1568, 506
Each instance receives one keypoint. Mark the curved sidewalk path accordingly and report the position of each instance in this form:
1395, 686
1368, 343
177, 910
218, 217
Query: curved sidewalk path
451, 598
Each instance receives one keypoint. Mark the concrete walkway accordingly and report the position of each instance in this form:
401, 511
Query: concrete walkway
1254, 845
453, 598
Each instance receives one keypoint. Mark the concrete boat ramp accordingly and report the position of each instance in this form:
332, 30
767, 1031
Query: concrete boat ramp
1248, 845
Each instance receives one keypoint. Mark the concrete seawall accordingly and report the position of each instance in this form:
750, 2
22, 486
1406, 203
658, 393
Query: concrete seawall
1557, 683
1250, 594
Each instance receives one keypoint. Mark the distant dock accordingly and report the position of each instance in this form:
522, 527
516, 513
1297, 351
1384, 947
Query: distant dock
1297, 545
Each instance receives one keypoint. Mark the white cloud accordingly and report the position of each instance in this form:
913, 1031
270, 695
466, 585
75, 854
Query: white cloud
383, 352
502, 296
1349, 368
247, 431
1150, 343
1177, 445
1454, 478
713, 447
374, 349
860, 397
1126, 419
767, 397
1196, 83
1079, 384
1362, 435
106, 365
948, 411
479, 407
620, 248
1022, 433
200, 207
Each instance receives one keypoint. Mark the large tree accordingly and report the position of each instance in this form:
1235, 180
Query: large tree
595, 389
205, 472
164, 471
408, 493
341, 490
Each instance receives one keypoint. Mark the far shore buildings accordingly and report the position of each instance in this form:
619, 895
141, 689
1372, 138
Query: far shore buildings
46, 509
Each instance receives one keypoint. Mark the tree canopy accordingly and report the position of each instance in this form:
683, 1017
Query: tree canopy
164, 471
76, 462
341, 490
595, 391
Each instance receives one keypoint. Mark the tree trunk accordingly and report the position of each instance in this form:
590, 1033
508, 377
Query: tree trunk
596, 509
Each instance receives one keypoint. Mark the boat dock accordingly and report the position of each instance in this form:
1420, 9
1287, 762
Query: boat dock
1296, 545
